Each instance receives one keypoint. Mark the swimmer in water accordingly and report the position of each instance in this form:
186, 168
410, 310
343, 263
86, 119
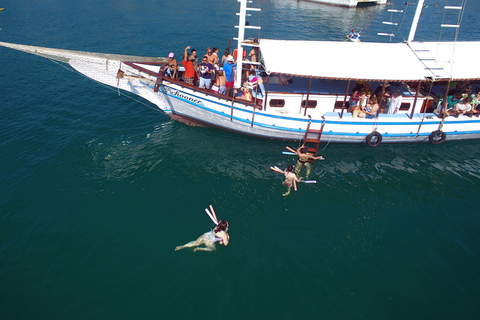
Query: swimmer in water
290, 178
304, 159
219, 234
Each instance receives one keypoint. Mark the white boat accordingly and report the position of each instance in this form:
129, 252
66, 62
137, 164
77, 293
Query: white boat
307, 99
349, 3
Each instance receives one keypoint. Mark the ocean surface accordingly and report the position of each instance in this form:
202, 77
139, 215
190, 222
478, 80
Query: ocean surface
97, 188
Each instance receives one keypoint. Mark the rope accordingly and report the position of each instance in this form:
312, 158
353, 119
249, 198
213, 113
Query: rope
19, 14
331, 136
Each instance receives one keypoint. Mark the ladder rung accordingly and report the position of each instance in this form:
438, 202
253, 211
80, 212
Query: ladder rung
393, 10
450, 26
254, 9
250, 27
390, 23
453, 8
386, 34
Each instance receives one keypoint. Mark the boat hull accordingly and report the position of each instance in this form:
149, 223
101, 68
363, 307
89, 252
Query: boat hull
199, 107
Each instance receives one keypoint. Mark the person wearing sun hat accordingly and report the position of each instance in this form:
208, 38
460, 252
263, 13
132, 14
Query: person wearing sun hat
229, 70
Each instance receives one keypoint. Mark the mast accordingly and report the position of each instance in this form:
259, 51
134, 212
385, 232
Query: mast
413, 29
241, 38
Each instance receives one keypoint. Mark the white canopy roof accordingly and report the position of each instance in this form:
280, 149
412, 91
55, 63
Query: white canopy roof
450, 60
367, 60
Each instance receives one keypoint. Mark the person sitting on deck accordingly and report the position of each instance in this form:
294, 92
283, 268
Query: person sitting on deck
256, 84
189, 69
476, 102
221, 82
370, 110
245, 93
304, 159
451, 102
463, 107
171, 67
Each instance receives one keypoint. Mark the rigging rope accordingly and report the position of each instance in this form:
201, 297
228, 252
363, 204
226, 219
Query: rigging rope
19, 14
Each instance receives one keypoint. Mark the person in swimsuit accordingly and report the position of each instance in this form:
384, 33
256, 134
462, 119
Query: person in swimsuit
219, 234
290, 178
304, 159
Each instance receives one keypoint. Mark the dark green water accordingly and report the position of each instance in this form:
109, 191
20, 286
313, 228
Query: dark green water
98, 189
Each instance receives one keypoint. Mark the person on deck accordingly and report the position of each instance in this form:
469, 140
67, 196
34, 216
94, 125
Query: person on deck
193, 56
211, 58
225, 57
221, 82
172, 66
189, 69
476, 102
383, 101
370, 110
452, 101
219, 234
229, 70
205, 70
463, 107
396, 102
355, 97
304, 159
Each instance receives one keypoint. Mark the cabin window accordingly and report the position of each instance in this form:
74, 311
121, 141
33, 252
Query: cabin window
339, 104
277, 103
310, 103
405, 106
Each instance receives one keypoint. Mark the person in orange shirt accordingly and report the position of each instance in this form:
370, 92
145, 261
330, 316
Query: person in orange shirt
189, 69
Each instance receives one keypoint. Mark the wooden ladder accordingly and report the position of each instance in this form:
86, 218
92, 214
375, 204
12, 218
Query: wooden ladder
312, 136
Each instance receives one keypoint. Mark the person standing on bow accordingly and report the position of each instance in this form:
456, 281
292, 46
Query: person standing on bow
229, 70
304, 159
219, 234
189, 69
205, 70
